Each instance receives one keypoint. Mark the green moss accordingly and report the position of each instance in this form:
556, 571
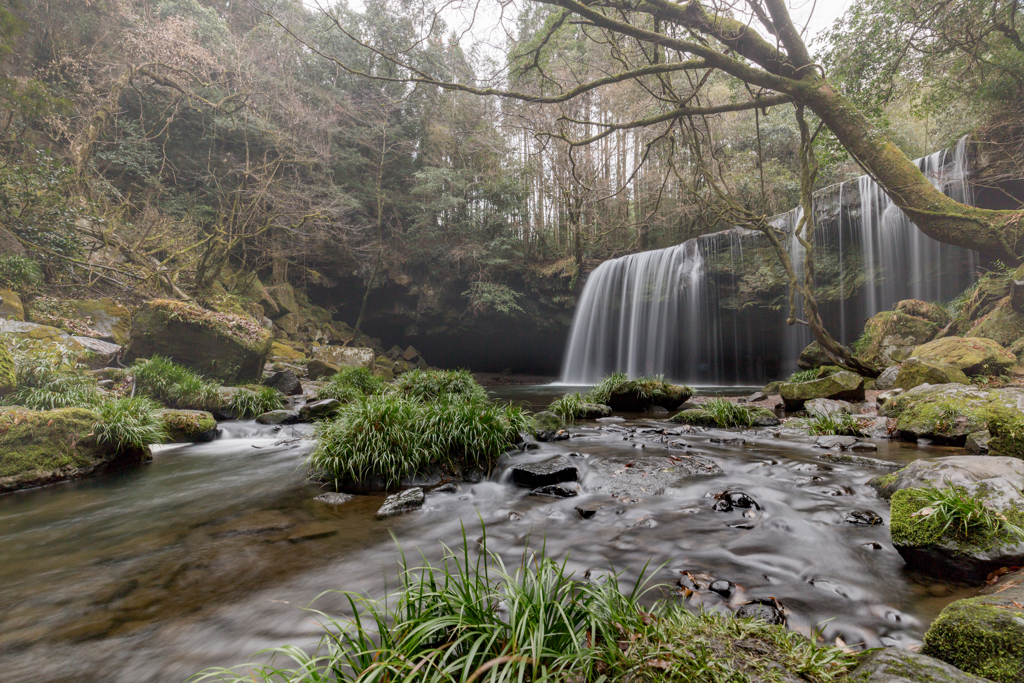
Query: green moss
7, 374
696, 417
925, 530
239, 328
187, 426
980, 636
1007, 429
33, 443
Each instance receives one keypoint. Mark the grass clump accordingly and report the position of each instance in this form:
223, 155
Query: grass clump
438, 420
952, 514
432, 385
175, 385
602, 391
568, 407
832, 424
17, 272
248, 403
49, 378
351, 384
475, 619
718, 412
129, 424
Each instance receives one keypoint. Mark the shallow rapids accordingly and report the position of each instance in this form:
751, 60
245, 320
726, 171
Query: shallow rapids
209, 553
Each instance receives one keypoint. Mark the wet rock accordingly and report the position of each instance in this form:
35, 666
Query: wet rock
841, 443
286, 382
826, 406
947, 413
971, 355
858, 460
657, 410
188, 426
722, 587
627, 398
863, 447
917, 371
977, 442
844, 386
318, 369
863, 518
643, 476
278, 417
813, 356
887, 380
983, 635
755, 397
319, 410
875, 427
611, 419
728, 442
514, 516
399, 503
552, 435
588, 510
449, 487
593, 411
554, 471
954, 470
763, 418
556, 491
768, 610
334, 498
729, 500
892, 665
576, 454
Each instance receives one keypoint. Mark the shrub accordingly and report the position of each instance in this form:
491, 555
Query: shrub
351, 384
49, 378
602, 391
388, 436
248, 403
568, 407
129, 424
648, 388
727, 414
476, 620
964, 515
174, 385
833, 424
804, 376
17, 272
434, 385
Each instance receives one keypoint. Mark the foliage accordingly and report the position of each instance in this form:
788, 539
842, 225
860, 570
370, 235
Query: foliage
174, 385
49, 377
129, 424
832, 424
484, 296
965, 515
248, 403
727, 414
602, 391
568, 407
351, 384
388, 436
18, 272
472, 619
434, 385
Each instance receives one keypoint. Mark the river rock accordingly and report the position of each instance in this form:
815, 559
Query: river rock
953, 470
399, 503
887, 380
188, 426
892, 665
826, 406
278, 417
768, 610
556, 491
345, 356
875, 427
977, 442
627, 399
863, 518
755, 397
11, 306
227, 347
947, 413
858, 460
972, 355
643, 476
983, 635
553, 471
813, 356
334, 498
844, 386
593, 411
319, 410
917, 371
48, 446
286, 382
830, 442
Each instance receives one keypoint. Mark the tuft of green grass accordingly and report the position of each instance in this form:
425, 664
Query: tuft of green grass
129, 424
602, 391
438, 385
804, 376
833, 424
472, 618
568, 407
727, 414
647, 388
351, 384
17, 272
248, 403
965, 515
49, 378
175, 385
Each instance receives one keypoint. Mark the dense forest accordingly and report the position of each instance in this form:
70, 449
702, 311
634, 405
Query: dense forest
180, 145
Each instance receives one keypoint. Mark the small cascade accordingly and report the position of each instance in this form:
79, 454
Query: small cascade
661, 312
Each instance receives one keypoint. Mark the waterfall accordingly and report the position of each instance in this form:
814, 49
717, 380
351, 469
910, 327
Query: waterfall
669, 311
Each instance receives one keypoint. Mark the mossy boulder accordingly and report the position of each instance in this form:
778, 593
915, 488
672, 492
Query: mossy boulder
636, 396
279, 351
893, 665
188, 426
112, 320
948, 413
926, 310
1003, 324
11, 306
8, 380
227, 347
283, 295
840, 386
813, 356
917, 371
345, 356
694, 416
972, 355
955, 470
43, 447
983, 635
890, 337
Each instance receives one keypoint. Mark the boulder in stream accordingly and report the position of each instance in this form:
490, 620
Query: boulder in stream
642, 476
948, 413
188, 426
399, 503
893, 665
843, 386
536, 474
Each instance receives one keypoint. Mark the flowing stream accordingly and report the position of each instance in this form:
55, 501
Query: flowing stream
668, 311
209, 553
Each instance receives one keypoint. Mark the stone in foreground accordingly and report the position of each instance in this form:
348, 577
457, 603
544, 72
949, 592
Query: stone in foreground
983, 635
399, 503
892, 665
557, 470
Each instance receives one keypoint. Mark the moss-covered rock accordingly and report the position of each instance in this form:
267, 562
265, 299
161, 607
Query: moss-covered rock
11, 306
636, 396
917, 371
972, 355
694, 416
891, 336
840, 386
345, 356
813, 356
953, 470
983, 635
279, 351
8, 380
947, 413
43, 447
188, 426
893, 665
105, 316
926, 310
227, 347
1003, 324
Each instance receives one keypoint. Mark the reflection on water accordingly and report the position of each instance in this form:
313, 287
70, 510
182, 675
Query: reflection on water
208, 554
